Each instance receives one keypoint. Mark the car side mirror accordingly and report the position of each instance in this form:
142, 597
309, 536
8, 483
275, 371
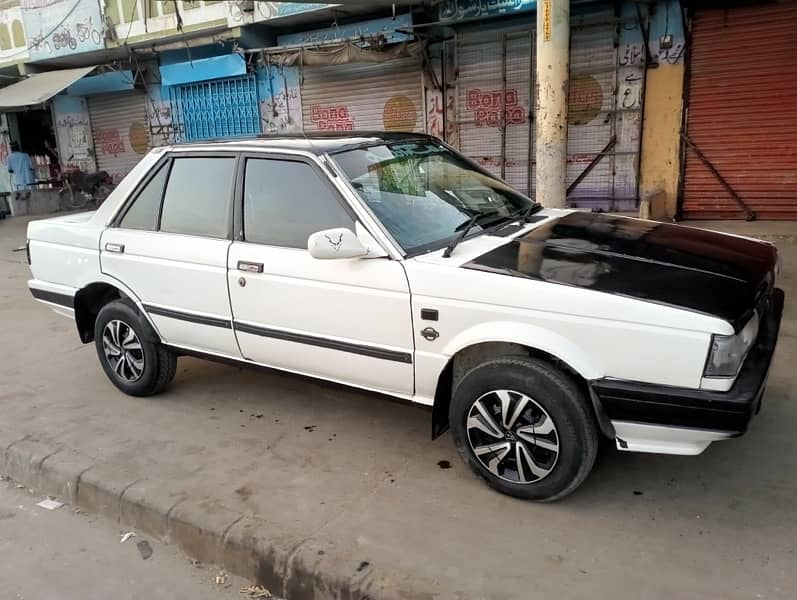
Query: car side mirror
335, 243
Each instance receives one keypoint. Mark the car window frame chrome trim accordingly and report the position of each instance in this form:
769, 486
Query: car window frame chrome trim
350, 199
167, 162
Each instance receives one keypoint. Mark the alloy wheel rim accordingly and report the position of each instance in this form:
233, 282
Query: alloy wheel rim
512, 436
123, 351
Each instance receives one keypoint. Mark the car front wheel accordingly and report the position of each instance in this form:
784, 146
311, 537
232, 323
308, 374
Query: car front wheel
524, 427
132, 360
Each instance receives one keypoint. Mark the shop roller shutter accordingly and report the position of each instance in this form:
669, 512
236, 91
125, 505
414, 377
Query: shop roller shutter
596, 113
363, 96
120, 130
742, 112
605, 103
494, 89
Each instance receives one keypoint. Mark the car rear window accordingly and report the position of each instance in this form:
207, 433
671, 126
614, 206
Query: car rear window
143, 213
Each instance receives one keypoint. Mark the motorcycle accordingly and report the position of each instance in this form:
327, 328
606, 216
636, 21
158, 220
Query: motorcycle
82, 189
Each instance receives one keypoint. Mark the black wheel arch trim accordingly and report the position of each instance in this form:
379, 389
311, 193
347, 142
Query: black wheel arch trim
74, 302
145, 329
445, 388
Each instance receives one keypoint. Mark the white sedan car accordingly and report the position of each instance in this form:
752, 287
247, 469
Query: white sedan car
390, 262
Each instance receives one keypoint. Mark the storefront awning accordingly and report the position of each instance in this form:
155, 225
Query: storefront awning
39, 88
203, 69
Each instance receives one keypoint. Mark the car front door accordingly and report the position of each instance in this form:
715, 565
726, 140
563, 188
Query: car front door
346, 320
169, 246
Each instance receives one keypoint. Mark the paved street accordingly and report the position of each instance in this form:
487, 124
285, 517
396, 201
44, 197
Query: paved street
61, 555
359, 474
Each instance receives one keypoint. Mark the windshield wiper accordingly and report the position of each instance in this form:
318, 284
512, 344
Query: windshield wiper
522, 214
463, 231
525, 213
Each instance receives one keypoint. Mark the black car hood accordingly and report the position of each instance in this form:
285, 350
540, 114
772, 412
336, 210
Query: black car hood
711, 273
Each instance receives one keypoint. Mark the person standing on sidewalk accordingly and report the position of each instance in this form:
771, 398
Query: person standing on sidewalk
21, 169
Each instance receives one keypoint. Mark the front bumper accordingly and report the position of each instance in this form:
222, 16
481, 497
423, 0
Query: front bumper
722, 413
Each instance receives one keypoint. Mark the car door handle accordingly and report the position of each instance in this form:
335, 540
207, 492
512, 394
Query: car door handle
111, 247
250, 267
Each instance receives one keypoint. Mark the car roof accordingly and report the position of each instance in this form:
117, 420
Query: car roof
316, 142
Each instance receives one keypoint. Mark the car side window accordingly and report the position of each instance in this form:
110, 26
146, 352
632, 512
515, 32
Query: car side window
197, 198
287, 201
143, 213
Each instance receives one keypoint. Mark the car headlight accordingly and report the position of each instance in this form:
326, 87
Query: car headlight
727, 352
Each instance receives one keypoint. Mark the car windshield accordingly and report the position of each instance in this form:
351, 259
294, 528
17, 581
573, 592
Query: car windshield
425, 194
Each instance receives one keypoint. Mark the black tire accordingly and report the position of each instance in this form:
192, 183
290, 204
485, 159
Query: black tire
159, 364
562, 458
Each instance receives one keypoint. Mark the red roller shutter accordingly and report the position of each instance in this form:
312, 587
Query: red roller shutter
742, 112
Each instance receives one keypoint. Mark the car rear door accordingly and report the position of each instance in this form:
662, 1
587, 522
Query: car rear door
169, 246
346, 320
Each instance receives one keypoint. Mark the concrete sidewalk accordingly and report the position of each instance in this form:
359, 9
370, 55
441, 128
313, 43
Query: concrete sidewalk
322, 492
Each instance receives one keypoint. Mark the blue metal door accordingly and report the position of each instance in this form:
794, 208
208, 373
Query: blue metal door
219, 108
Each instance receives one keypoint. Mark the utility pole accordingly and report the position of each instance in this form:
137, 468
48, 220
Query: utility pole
553, 65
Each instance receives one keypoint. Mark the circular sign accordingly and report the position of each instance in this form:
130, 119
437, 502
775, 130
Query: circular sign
139, 137
585, 99
399, 114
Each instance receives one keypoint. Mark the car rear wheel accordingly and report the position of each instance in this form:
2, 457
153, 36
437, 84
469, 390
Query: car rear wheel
131, 357
524, 427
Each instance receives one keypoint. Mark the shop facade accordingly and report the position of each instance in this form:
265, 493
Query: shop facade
363, 96
119, 131
29, 127
487, 109
741, 120
211, 97
101, 121
377, 74
493, 74
361, 76
683, 126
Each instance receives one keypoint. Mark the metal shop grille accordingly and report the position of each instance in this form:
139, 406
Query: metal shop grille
219, 108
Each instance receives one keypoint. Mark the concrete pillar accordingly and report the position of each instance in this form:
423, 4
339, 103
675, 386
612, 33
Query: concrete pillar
659, 164
553, 62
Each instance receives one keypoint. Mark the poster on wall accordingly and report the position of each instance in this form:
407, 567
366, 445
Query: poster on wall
73, 132
159, 114
280, 100
62, 27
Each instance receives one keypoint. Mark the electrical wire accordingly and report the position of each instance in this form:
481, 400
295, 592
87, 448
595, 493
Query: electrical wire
130, 27
151, 97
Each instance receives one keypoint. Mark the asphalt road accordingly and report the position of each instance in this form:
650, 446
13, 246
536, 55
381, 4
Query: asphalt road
61, 555
359, 475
